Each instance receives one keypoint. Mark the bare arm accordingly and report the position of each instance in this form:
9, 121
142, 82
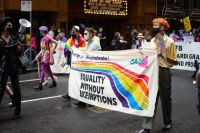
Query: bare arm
56, 44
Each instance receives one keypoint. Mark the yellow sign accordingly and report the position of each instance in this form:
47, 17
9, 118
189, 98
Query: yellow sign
187, 25
106, 7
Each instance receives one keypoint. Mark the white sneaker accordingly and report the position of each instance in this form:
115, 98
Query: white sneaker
45, 83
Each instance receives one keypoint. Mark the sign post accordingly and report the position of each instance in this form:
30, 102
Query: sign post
26, 6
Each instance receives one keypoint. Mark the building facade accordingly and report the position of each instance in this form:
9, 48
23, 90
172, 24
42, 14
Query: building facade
65, 13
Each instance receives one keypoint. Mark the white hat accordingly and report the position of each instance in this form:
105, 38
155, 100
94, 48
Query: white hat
77, 27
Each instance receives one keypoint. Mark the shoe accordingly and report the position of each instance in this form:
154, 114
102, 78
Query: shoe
168, 126
38, 88
45, 83
16, 115
143, 131
66, 96
54, 84
13, 101
80, 103
89, 105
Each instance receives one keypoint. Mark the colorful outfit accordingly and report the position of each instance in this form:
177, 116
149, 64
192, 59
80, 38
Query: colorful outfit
72, 42
46, 57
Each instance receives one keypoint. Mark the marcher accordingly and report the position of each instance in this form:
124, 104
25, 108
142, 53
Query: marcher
76, 40
10, 50
46, 57
166, 58
91, 45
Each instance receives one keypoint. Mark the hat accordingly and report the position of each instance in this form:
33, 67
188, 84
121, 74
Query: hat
140, 35
4, 21
43, 28
77, 27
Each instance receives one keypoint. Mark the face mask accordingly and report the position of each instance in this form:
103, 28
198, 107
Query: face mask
148, 40
10, 30
86, 37
41, 33
155, 31
73, 35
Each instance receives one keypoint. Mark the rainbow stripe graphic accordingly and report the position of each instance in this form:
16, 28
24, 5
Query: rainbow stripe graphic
130, 88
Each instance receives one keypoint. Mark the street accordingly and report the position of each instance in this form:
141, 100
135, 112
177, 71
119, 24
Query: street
47, 112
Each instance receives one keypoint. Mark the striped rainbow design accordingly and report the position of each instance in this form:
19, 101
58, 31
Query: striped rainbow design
130, 88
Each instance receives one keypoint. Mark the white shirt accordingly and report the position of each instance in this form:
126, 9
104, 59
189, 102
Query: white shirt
93, 45
146, 44
51, 33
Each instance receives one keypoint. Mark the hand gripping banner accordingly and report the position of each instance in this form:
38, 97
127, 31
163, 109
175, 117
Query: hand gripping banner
124, 81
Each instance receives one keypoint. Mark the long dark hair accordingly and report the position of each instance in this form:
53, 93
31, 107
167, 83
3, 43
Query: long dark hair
116, 36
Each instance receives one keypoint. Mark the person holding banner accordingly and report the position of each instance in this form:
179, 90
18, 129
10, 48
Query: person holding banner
76, 40
166, 58
92, 44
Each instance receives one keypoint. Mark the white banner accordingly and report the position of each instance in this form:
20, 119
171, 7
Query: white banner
187, 53
125, 81
60, 66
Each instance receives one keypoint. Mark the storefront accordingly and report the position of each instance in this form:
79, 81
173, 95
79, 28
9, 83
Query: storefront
112, 15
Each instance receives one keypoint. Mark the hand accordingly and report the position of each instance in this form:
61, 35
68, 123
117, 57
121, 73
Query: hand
160, 38
70, 49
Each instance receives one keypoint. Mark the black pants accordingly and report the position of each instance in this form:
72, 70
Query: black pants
11, 70
164, 93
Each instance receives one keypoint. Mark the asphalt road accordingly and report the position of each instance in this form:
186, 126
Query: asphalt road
55, 115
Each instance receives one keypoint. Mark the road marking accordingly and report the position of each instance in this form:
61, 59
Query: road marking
39, 99
30, 80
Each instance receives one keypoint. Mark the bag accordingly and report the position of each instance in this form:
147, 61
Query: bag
24, 60
113, 43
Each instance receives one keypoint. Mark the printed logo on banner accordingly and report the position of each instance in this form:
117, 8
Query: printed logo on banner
143, 61
129, 87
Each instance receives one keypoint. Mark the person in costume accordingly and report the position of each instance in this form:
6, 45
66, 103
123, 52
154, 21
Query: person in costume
46, 57
10, 50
